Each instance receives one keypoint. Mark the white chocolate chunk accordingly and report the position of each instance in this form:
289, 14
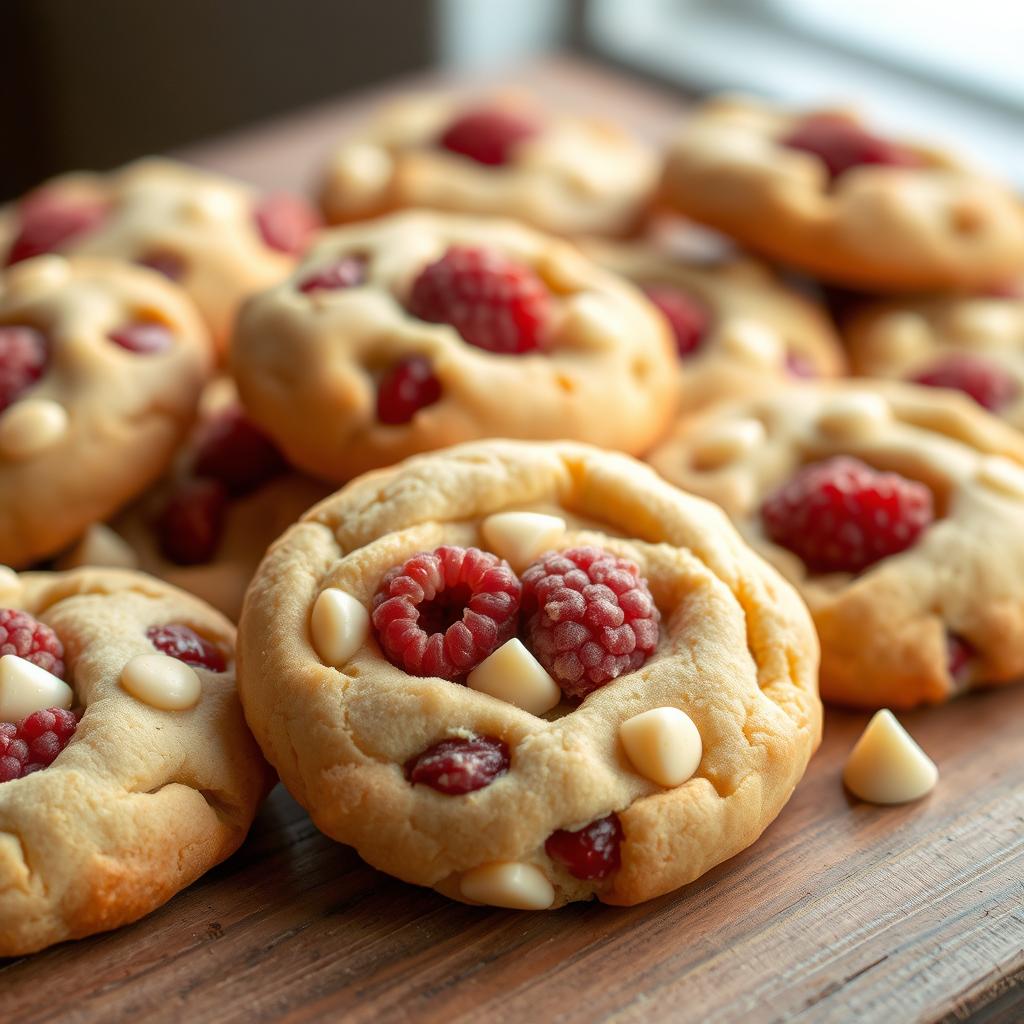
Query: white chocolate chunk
985, 322
508, 884
854, 415
9, 581
886, 766
162, 682
340, 626
591, 321
40, 274
361, 170
100, 546
210, 204
31, 426
663, 745
25, 688
514, 675
728, 442
902, 336
752, 342
519, 537
999, 473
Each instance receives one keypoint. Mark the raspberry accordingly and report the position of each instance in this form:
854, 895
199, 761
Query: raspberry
442, 612
688, 318
840, 145
591, 853
348, 272
459, 766
798, 365
34, 743
842, 515
170, 264
494, 303
190, 526
410, 385
488, 135
234, 451
32, 640
959, 654
989, 385
143, 338
47, 221
286, 222
187, 645
593, 617
24, 353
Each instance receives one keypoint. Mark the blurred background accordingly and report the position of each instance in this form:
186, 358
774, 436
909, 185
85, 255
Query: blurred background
96, 83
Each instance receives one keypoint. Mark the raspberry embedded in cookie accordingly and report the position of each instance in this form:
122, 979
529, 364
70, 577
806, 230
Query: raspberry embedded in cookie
458, 766
190, 526
286, 222
493, 302
48, 220
988, 384
145, 337
187, 645
842, 144
841, 515
28, 638
592, 853
488, 135
593, 618
24, 353
170, 264
347, 272
959, 655
234, 451
34, 743
410, 385
441, 613
800, 366
688, 318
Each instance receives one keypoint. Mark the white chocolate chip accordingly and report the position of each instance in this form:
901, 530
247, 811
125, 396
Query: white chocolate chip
519, 537
663, 745
886, 766
361, 170
210, 204
999, 473
514, 675
752, 341
31, 426
340, 625
9, 581
903, 336
983, 323
591, 321
25, 688
854, 415
162, 682
41, 274
100, 546
508, 884
728, 442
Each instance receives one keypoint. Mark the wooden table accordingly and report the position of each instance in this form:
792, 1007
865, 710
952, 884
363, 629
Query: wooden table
841, 912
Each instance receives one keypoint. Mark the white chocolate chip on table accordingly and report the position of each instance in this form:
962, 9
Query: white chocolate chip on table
886, 766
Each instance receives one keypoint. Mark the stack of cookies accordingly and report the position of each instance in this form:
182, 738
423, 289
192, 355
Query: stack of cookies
478, 639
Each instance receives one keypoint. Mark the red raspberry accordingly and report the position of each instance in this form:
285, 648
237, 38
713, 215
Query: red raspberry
48, 220
989, 385
410, 385
348, 272
286, 222
841, 515
34, 743
24, 353
233, 450
442, 612
187, 645
592, 852
170, 264
32, 640
687, 317
959, 654
798, 365
459, 766
493, 302
143, 338
488, 135
190, 526
593, 617
840, 145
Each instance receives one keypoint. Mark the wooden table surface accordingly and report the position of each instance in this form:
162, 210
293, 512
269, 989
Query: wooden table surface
841, 912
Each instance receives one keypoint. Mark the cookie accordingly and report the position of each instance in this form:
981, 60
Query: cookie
895, 510
126, 769
421, 330
971, 343
738, 329
101, 368
823, 193
582, 727
506, 155
216, 237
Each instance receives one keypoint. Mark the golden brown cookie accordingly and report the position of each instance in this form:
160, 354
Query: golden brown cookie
421, 330
896, 511
625, 702
101, 367
129, 770
821, 192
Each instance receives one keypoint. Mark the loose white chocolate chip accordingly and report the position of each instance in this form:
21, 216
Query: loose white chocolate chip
663, 745
727, 443
41, 274
886, 766
514, 675
752, 342
100, 546
340, 626
31, 426
25, 688
1000, 473
519, 537
854, 415
162, 682
508, 884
